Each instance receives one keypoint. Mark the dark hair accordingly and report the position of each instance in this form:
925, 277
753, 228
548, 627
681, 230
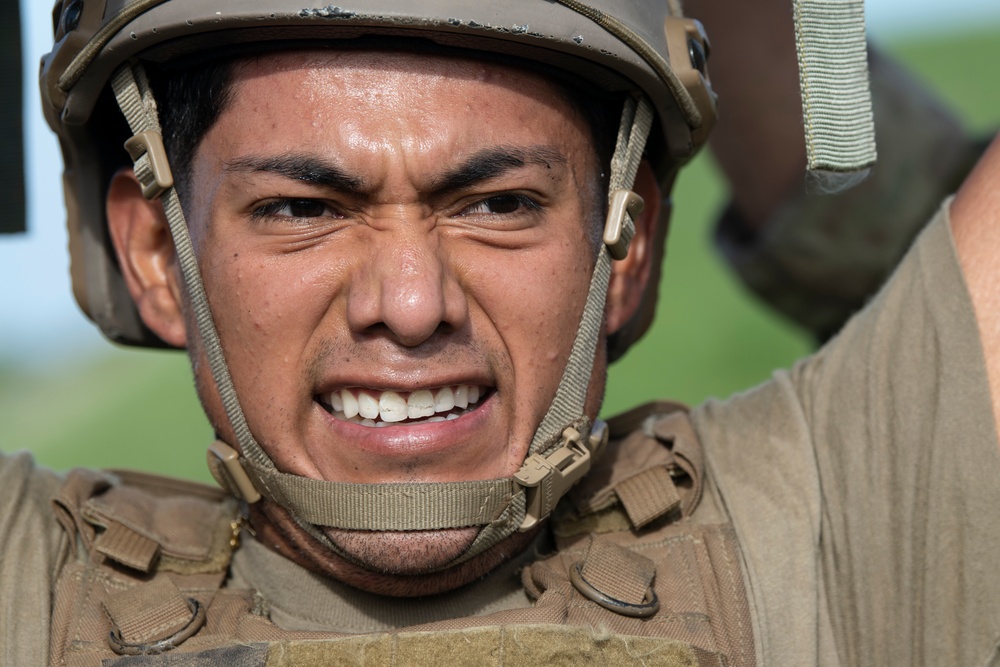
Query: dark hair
189, 101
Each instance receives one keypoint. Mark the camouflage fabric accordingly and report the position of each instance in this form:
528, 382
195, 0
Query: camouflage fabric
820, 257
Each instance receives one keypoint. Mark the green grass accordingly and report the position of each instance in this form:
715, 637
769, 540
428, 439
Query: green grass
132, 409
963, 70
138, 409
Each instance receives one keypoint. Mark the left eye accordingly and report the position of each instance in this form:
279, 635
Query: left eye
500, 205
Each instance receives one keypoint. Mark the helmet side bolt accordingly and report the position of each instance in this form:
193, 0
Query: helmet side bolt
696, 50
71, 16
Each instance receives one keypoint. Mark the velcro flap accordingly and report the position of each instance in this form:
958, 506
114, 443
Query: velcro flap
80, 485
492, 646
617, 572
148, 613
186, 527
648, 496
127, 547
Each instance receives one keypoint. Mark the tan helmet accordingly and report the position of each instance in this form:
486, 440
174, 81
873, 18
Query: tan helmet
643, 51
618, 46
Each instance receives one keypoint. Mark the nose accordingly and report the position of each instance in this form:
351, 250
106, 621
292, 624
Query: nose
406, 290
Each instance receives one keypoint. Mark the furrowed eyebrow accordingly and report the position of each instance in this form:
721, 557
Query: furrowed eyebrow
494, 162
300, 168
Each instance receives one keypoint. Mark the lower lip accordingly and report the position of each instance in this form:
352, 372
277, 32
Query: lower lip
409, 439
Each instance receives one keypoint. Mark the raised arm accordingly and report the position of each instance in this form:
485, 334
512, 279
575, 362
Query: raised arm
975, 223
818, 259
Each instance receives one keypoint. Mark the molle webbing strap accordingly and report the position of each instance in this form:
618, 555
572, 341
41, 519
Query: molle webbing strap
618, 572
836, 100
648, 496
152, 617
568, 404
417, 506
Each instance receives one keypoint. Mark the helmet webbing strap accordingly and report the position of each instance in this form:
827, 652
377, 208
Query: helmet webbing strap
568, 403
836, 98
135, 98
498, 504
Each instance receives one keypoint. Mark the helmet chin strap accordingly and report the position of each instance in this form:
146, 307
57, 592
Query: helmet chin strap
561, 451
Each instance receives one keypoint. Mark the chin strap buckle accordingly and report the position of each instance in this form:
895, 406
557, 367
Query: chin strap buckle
152, 168
224, 464
546, 479
618, 235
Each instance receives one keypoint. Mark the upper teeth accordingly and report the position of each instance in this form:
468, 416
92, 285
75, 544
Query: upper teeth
391, 406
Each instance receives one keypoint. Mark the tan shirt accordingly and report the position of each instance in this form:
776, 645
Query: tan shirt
863, 486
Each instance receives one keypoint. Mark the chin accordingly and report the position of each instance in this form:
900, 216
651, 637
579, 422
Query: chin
403, 553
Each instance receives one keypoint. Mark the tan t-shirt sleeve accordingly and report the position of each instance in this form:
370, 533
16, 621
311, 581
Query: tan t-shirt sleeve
30, 541
865, 484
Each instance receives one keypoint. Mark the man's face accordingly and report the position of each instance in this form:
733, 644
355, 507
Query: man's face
400, 235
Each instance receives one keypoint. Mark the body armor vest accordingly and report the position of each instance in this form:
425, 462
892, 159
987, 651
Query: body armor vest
645, 573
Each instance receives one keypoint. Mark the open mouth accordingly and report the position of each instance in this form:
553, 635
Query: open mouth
389, 408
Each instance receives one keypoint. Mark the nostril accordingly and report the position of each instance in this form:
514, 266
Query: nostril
413, 307
406, 292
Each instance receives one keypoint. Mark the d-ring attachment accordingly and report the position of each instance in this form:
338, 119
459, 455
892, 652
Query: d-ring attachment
121, 647
649, 605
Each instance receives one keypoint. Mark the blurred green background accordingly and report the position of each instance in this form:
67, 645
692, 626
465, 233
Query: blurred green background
138, 409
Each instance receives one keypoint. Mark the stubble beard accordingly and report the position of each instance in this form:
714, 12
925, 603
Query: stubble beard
403, 553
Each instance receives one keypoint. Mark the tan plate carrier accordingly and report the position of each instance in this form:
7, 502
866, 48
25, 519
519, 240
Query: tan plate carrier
639, 576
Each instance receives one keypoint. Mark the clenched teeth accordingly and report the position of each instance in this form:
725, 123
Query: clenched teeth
390, 407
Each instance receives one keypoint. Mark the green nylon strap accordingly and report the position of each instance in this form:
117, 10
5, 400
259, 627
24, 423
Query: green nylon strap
836, 98
137, 104
568, 403
400, 506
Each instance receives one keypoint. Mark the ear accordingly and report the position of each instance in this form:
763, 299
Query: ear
145, 251
630, 275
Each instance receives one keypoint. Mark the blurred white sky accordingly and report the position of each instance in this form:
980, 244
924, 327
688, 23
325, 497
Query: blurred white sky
39, 322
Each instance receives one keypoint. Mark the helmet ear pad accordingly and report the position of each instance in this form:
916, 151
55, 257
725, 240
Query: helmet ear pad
630, 276
141, 237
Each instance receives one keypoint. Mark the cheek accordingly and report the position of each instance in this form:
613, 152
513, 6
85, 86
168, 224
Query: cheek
268, 308
533, 299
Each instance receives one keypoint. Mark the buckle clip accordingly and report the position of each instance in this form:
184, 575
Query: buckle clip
224, 464
154, 174
546, 479
623, 202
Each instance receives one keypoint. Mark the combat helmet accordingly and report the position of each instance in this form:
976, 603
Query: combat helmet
645, 51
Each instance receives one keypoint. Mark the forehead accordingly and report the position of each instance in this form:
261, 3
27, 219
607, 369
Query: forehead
409, 74
415, 90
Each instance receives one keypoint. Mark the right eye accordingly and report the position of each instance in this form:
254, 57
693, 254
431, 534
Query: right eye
295, 208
